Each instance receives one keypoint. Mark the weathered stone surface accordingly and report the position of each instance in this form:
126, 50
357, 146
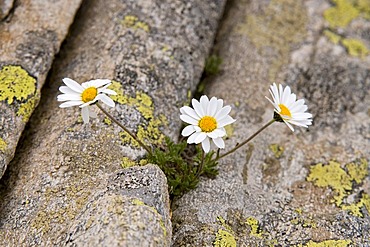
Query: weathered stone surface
31, 33
288, 189
65, 184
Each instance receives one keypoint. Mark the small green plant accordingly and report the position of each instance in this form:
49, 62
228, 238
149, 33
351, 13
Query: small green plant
182, 165
212, 66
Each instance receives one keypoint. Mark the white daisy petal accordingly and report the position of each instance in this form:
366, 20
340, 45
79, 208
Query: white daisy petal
200, 137
216, 133
65, 97
65, 89
188, 130
188, 119
220, 103
109, 91
219, 142
105, 99
198, 107
206, 145
191, 138
73, 85
223, 112
190, 112
212, 107
289, 125
97, 83
85, 114
92, 113
286, 94
275, 93
225, 121
204, 101
280, 93
87, 103
70, 103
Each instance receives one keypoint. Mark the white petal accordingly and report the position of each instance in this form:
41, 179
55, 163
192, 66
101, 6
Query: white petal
216, 133
280, 93
197, 128
227, 120
274, 104
191, 138
190, 111
105, 99
219, 142
88, 103
188, 130
298, 123
301, 115
109, 91
65, 97
198, 108
201, 136
188, 119
286, 95
92, 113
70, 103
289, 125
85, 114
204, 101
96, 83
65, 89
206, 145
223, 112
291, 99
73, 85
275, 93
220, 103
212, 107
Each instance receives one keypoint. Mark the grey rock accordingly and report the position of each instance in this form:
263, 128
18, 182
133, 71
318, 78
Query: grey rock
267, 193
66, 184
31, 33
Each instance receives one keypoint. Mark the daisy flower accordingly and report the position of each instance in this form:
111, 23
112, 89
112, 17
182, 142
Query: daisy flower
207, 121
288, 109
85, 94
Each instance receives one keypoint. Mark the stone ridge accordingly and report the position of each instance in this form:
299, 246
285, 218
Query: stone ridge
66, 184
306, 188
29, 40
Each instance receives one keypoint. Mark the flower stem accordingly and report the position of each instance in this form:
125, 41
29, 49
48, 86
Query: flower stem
200, 168
246, 141
125, 129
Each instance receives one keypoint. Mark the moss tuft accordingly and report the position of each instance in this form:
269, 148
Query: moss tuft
329, 243
15, 83
333, 37
126, 162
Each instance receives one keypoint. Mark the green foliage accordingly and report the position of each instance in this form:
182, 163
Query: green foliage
181, 163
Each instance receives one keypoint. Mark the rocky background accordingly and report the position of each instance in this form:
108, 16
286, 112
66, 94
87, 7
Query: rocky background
68, 183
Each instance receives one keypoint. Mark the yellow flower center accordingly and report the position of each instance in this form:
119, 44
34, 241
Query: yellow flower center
89, 94
207, 124
284, 110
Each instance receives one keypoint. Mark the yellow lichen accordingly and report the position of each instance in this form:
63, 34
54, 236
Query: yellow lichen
131, 21
255, 229
341, 14
143, 103
277, 150
137, 202
107, 121
282, 25
328, 243
126, 162
25, 109
341, 182
333, 37
355, 47
15, 83
224, 239
3, 145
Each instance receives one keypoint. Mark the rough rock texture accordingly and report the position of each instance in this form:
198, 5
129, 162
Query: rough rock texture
31, 33
65, 184
306, 188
